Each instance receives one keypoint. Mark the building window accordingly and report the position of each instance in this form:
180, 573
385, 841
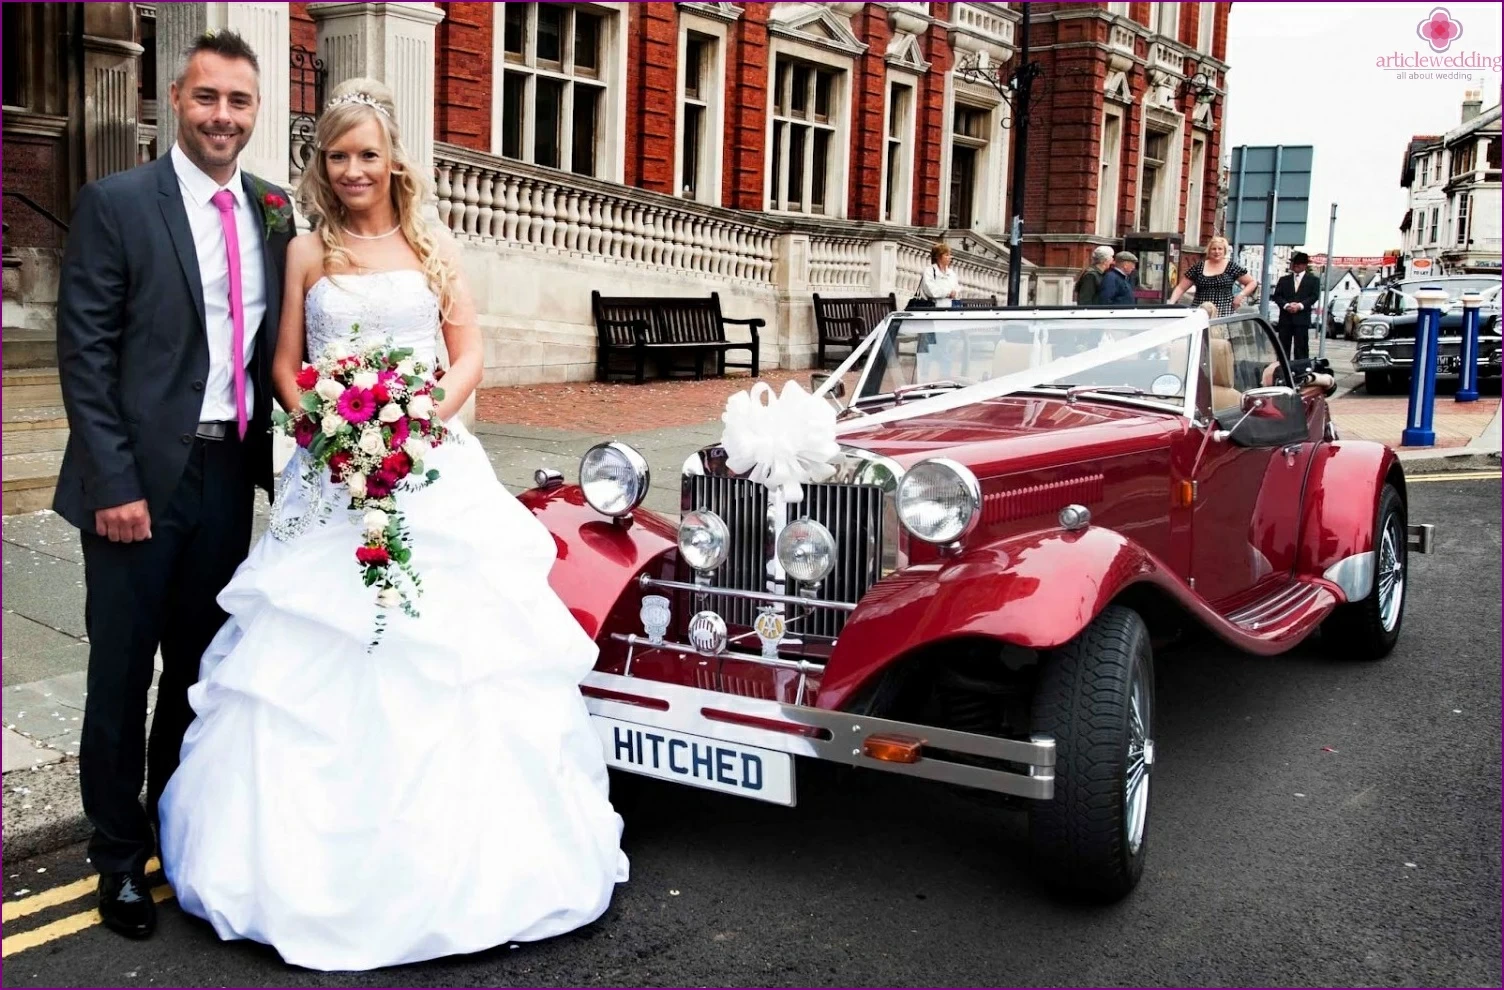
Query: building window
1493, 156
1164, 19
1120, 9
694, 122
968, 144
17, 40
1464, 160
806, 106
552, 88
1156, 145
1435, 225
1425, 170
1206, 23
1464, 218
1107, 174
897, 169
1193, 203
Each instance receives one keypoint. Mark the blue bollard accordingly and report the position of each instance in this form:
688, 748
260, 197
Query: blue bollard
1467, 382
1418, 431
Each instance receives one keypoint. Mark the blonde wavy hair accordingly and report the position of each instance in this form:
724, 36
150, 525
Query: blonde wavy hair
356, 101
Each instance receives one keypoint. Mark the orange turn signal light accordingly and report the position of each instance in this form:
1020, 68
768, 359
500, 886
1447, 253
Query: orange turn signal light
1185, 493
892, 749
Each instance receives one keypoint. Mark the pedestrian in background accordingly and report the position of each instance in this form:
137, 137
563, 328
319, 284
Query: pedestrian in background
1296, 294
1217, 279
1089, 283
1117, 281
939, 284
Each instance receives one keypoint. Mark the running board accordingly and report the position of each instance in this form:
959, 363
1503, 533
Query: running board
1277, 608
1420, 536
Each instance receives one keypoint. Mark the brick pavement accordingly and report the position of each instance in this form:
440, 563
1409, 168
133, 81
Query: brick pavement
619, 407
1382, 418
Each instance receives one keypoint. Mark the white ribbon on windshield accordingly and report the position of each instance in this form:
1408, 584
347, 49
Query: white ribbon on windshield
1061, 368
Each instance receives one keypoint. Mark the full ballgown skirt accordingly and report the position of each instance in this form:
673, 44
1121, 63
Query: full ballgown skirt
443, 794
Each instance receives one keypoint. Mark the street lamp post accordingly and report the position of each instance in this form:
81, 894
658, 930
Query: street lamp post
1016, 91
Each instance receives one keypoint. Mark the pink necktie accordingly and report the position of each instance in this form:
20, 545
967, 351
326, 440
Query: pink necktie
225, 201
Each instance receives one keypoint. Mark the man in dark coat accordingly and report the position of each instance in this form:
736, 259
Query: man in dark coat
1295, 295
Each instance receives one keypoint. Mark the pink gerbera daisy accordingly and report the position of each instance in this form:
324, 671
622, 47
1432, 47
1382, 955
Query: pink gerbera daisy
357, 405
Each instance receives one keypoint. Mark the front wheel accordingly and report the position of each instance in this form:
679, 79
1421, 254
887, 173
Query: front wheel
1095, 697
1367, 629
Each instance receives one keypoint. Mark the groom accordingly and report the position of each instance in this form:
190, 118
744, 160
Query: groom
168, 305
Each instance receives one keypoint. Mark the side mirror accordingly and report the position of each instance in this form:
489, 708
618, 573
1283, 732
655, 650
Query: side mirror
1272, 416
819, 378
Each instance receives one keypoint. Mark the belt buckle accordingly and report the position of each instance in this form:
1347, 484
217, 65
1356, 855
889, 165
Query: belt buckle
213, 431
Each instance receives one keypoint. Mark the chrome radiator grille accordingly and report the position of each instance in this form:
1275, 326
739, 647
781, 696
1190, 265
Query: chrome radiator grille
852, 513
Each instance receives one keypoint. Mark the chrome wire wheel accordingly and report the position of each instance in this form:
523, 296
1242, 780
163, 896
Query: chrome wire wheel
1140, 762
1391, 572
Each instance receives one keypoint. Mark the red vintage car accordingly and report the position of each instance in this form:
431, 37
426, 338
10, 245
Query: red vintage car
1025, 502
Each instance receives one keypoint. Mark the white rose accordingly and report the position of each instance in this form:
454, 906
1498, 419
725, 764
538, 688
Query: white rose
420, 407
333, 423
376, 522
357, 485
364, 379
390, 413
389, 598
417, 448
406, 368
329, 389
371, 441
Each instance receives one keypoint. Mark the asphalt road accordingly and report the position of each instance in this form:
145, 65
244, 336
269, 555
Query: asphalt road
1314, 822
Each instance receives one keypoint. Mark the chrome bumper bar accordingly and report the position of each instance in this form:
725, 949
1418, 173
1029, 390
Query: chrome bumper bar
647, 583
838, 737
1420, 537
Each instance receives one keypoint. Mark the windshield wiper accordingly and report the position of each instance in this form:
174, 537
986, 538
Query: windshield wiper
1072, 391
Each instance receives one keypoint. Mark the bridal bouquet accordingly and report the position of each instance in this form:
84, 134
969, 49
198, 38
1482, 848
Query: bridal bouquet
368, 416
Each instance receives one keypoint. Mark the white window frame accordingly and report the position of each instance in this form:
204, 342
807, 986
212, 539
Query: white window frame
1435, 225
903, 197
1163, 208
837, 180
1118, 9
713, 138
1194, 188
1206, 27
610, 78
1110, 171
1158, 12
988, 198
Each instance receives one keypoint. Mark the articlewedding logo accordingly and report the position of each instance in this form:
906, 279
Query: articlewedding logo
1439, 29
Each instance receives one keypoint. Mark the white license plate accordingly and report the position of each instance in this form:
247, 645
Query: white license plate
731, 768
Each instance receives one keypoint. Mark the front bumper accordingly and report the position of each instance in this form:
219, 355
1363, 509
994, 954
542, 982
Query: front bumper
1389, 355
962, 758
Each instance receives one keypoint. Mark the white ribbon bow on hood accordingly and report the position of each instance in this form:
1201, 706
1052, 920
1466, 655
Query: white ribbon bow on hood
782, 441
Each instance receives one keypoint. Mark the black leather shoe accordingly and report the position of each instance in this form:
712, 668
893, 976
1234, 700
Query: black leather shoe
125, 904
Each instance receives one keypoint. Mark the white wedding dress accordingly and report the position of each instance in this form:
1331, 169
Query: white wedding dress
443, 794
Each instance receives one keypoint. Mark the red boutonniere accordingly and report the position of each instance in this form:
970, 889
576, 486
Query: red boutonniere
275, 209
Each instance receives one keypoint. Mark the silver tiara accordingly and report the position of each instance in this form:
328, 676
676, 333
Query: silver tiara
356, 98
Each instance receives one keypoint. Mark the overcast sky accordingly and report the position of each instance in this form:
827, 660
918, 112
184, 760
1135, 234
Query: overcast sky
1305, 73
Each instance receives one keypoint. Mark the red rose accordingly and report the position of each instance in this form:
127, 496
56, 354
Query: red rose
338, 462
398, 464
400, 433
380, 394
304, 430
380, 484
308, 378
274, 201
373, 556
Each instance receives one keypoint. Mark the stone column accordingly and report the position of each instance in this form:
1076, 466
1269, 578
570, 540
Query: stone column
392, 42
265, 27
112, 62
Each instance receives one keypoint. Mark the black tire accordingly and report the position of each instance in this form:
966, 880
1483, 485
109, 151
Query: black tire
1080, 837
1376, 382
1362, 630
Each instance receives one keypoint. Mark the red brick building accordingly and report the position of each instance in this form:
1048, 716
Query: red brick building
852, 111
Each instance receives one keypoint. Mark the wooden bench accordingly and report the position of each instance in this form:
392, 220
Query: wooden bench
666, 328
843, 321
982, 302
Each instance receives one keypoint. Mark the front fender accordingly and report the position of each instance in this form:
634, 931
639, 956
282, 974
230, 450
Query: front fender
597, 557
1341, 512
1035, 590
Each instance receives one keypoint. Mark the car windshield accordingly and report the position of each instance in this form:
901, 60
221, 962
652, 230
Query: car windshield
1455, 288
1367, 298
920, 355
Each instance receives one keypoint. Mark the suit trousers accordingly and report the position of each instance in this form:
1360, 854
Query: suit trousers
155, 593
1295, 340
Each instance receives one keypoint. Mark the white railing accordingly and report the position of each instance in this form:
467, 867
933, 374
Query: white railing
1167, 57
984, 21
496, 201
840, 263
1121, 38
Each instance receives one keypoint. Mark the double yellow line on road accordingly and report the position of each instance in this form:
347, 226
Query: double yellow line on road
1457, 476
74, 923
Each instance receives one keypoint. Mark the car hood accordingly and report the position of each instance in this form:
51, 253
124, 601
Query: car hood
1024, 428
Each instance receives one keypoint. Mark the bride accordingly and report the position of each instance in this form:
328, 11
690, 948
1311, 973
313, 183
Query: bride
445, 793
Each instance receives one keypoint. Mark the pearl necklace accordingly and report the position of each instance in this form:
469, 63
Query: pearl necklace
373, 237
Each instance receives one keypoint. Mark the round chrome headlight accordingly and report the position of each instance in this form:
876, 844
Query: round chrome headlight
704, 540
614, 478
1373, 331
806, 551
939, 501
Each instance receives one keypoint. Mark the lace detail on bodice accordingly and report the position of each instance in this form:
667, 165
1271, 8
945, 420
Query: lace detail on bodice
396, 305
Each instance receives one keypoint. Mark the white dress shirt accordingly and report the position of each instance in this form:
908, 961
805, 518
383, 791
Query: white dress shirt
214, 271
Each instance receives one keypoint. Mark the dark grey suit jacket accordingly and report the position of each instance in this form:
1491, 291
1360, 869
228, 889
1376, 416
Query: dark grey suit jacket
131, 345
1284, 294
